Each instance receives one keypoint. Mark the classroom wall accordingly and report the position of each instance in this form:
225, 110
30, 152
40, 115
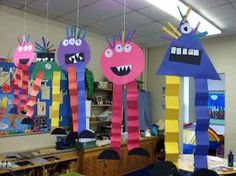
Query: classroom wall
12, 26
222, 51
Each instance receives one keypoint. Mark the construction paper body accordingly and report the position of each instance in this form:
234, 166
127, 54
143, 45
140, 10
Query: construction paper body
187, 57
122, 64
23, 58
73, 56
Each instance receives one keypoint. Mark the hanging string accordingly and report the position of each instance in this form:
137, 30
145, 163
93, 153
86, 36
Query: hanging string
77, 14
124, 22
25, 10
46, 30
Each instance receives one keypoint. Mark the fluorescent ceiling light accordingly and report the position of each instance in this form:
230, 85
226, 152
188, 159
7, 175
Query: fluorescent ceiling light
170, 7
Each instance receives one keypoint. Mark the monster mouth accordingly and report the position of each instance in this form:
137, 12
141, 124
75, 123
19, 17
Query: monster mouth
185, 55
121, 70
23, 61
74, 58
45, 57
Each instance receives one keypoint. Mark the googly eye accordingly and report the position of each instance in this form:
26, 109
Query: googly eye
25, 48
72, 41
48, 66
185, 28
127, 48
108, 53
78, 42
30, 47
65, 42
119, 48
20, 48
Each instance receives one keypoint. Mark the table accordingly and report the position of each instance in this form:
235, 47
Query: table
186, 164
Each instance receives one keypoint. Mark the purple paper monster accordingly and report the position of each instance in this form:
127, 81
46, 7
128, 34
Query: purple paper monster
73, 56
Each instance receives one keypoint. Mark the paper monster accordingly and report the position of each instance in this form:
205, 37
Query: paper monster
186, 56
122, 62
23, 57
46, 63
73, 56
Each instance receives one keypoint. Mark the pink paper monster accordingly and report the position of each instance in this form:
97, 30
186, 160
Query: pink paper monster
122, 62
23, 101
23, 57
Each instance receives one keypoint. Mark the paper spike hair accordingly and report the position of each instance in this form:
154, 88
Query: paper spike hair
23, 40
44, 46
128, 38
75, 32
186, 15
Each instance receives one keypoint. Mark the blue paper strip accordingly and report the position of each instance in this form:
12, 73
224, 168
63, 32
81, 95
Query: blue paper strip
202, 124
81, 97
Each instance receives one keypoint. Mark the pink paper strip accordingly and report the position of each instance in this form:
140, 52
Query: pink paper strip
116, 117
133, 123
32, 100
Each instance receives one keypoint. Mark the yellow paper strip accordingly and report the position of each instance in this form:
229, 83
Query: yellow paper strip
172, 119
4, 102
174, 29
169, 32
55, 100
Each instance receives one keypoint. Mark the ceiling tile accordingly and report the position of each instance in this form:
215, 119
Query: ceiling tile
56, 7
154, 13
97, 12
147, 29
229, 25
13, 5
116, 24
206, 4
18, 4
219, 14
135, 4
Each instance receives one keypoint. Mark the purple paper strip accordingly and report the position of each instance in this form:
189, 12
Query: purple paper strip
81, 97
202, 124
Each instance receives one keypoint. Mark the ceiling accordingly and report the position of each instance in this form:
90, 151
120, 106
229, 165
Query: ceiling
106, 16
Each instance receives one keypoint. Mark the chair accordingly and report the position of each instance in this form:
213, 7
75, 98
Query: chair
204, 172
165, 168
160, 150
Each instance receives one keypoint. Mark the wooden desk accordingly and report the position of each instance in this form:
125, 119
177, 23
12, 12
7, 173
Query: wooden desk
91, 166
186, 164
63, 155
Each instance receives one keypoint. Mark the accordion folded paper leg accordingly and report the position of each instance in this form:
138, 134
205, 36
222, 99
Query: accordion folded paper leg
133, 121
55, 109
172, 119
32, 99
80, 71
73, 90
24, 90
202, 124
113, 153
16, 83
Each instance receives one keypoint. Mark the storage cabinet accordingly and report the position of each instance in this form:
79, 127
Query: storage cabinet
91, 166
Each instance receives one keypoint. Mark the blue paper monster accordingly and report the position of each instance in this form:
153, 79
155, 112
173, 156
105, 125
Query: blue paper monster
186, 57
73, 56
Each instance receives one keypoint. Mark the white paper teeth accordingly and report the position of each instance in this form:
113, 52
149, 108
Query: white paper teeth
178, 52
173, 50
190, 52
196, 52
184, 51
124, 67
